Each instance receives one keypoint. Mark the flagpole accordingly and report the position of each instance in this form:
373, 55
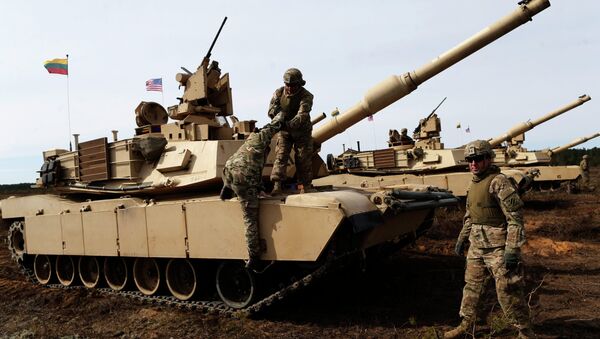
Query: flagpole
69, 106
162, 93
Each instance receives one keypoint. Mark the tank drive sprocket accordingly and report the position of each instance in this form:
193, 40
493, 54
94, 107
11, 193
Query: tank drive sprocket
16, 241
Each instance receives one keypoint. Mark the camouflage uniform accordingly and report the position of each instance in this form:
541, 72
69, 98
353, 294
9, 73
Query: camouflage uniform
243, 174
488, 244
585, 173
297, 132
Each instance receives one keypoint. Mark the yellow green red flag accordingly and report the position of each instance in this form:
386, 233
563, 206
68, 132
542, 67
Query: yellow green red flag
57, 66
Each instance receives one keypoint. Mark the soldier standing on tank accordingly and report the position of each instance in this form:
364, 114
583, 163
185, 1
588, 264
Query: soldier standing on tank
296, 102
585, 173
493, 225
242, 175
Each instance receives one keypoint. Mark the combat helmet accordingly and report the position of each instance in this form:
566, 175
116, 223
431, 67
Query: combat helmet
404, 131
293, 76
478, 147
585, 156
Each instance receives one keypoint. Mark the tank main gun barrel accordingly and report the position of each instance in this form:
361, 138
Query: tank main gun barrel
528, 125
573, 143
397, 86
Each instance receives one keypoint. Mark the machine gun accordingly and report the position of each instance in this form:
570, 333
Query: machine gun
207, 93
423, 122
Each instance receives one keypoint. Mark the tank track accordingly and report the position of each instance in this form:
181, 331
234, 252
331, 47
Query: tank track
213, 307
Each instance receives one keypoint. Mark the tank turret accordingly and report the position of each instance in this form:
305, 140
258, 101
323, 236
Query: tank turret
523, 127
514, 154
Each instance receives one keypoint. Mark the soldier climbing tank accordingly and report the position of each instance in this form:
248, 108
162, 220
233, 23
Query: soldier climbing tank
427, 161
144, 212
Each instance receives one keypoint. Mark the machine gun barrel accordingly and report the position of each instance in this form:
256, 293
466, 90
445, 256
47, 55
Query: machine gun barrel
397, 86
528, 125
214, 40
573, 143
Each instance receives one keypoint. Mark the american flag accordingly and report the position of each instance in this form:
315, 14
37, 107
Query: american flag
154, 85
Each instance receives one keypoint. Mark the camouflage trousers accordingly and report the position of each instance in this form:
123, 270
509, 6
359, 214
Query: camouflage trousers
248, 197
585, 180
481, 262
303, 153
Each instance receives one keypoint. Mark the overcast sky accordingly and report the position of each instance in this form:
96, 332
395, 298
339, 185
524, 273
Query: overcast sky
342, 47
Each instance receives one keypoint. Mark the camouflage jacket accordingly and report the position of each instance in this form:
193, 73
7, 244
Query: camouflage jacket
510, 234
296, 107
246, 164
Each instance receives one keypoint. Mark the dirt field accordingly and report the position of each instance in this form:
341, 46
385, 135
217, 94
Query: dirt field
412, 295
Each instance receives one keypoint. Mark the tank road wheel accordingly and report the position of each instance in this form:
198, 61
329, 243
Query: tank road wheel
16, 241
65, 270
116, 273
89, 271
42, 268
235, 284
146, 275
181, 278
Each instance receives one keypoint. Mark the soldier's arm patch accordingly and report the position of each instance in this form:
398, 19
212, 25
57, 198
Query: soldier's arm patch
510, 199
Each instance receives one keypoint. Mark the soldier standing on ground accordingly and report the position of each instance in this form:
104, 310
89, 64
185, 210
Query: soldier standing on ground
585, 173
296, 102
493, 225
242, 174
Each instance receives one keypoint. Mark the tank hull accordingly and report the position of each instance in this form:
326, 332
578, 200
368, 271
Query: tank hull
173, 237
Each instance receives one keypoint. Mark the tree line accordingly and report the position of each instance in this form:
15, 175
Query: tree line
573, 156
15, 188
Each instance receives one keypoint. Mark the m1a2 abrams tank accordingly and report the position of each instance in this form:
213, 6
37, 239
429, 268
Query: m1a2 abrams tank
143, 212
548, 177
427, 161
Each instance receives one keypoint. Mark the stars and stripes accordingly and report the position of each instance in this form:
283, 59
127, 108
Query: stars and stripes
154, 85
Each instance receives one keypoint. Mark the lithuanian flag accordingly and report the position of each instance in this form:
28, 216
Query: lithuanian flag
57, 66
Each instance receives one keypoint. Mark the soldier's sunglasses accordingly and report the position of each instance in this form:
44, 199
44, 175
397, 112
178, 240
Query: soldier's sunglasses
476, 158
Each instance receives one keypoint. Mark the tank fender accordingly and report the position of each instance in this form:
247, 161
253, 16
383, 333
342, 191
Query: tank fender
358, 209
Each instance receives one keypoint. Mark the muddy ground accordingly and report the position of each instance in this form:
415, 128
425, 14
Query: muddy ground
413, 294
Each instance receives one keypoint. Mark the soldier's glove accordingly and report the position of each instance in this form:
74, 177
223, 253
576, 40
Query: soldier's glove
294, 123
459, 248
512, 258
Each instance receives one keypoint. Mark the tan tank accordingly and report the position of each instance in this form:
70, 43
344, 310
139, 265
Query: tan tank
143, 212
548, 176
425, 160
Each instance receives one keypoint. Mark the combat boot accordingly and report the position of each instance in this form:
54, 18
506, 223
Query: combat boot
276, 188
459, 331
